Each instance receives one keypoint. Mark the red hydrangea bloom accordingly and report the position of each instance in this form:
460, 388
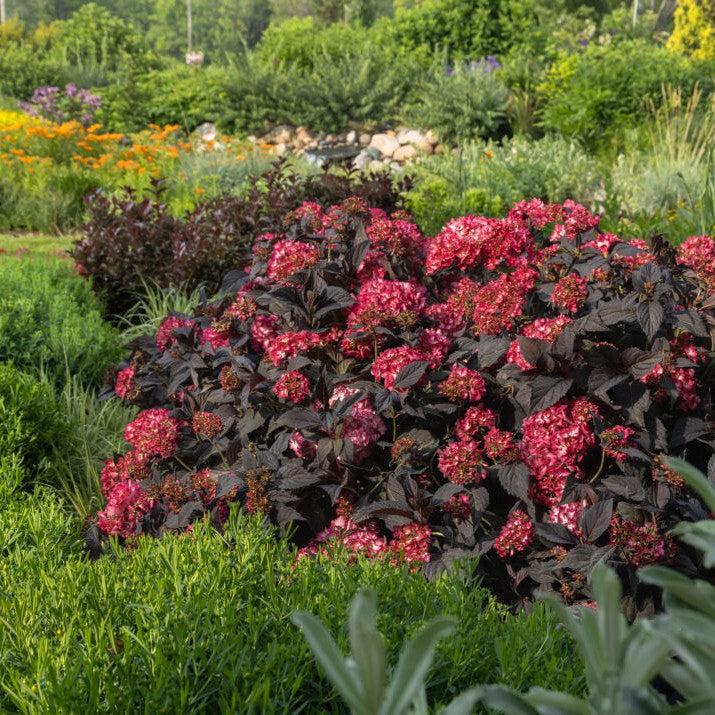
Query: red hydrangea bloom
125, 382
463, 384
358, 346
207, 424
165, 334
500, 301
462, 462
382, 302
389, 363
570, 293
475, 420
242, 308
397, 236
536, 212
364, 539
312, 214
216, 337
287, 345
616, 441
290, 257
499, 445
435, 345
546, 329
411, 542
515, 536
568, 514
130, 466
603, 243
126, 504
470, 241
363, 427
264, 330
554, 441
698, 253
293, 387
154, 433
639, 545
448, 320
576, 219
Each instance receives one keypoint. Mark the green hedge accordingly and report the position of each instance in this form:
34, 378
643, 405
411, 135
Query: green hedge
200, 622
51, 321
594, 94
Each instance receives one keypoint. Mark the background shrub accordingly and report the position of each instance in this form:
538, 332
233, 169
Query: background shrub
592, 94
50, 321
31, 426
694, 31
467, 101
487, 177
68, 623
129, 242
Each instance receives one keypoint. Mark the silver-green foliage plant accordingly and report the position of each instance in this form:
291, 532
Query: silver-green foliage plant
363, 679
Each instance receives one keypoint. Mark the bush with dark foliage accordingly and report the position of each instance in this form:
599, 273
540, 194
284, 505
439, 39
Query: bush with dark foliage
508, 389
128, 242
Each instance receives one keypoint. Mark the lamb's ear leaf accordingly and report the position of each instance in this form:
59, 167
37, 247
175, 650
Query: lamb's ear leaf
326, 652
411, 671
463, 704
505, 700
368, 648
554, 701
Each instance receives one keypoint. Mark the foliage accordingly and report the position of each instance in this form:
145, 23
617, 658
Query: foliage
694, 31
51, 321
467, 101
95, 40
129, 241
486, 178
31, 426
669, 178
160, 625
420, 402
362, 680
25, 61
605, 88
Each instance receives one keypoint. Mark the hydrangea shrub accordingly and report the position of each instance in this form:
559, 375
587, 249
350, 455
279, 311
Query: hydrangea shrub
507, 389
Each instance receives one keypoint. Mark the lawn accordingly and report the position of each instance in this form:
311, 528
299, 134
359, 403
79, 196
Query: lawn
35, 244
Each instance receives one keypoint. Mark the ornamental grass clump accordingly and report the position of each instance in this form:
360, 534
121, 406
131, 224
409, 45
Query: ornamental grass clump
508, 389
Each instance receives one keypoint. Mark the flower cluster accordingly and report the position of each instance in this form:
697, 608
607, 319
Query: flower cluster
554, 442
698, 254
293, 387
289, 257
463, 384
58, 106
515, 536
639, 544
154, 433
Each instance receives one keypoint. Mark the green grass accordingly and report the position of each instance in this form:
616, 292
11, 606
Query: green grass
200, 623
24, 245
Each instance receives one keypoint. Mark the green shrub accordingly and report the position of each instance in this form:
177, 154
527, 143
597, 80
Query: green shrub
202, 623
51, 321
25, 61
467, 101
485, 178
31, 425
175, 94
594, 94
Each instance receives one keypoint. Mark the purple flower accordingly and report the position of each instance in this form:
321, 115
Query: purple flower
50, 103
